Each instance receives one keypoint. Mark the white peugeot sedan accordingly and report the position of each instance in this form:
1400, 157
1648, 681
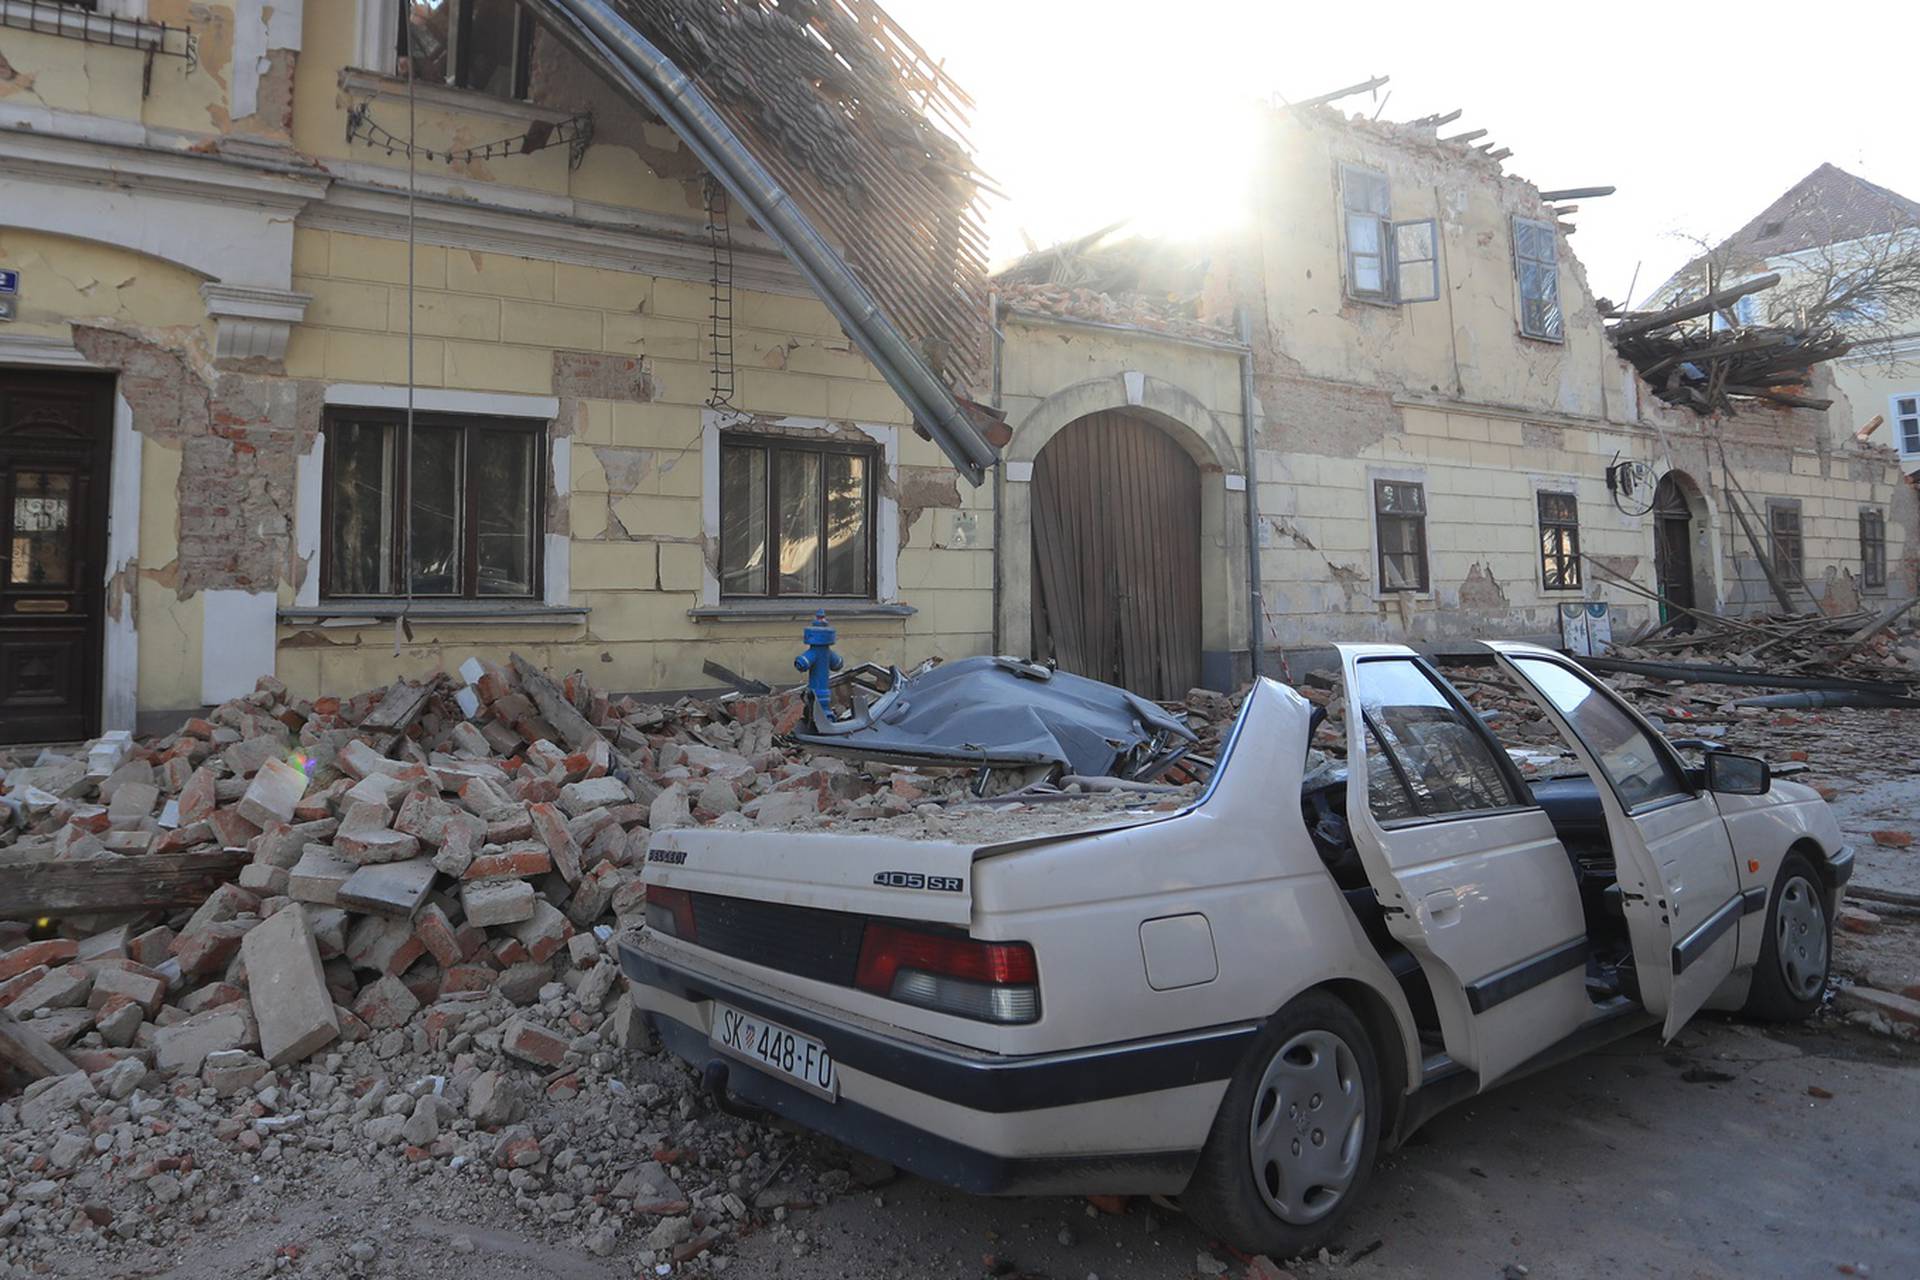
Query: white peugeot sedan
1241, 1002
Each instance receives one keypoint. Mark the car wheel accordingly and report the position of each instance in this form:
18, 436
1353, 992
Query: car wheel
1796, 950
1295, 1138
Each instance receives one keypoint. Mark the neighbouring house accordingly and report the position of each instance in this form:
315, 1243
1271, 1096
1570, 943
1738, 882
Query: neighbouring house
1446, 443
639, 435
652, 419
1848, 250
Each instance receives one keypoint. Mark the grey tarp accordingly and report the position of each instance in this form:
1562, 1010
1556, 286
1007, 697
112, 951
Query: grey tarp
1003, 713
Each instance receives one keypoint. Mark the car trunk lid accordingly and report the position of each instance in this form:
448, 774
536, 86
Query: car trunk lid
867, 875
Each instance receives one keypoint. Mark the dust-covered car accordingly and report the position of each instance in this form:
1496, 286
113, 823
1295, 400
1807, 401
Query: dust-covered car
1241, 1002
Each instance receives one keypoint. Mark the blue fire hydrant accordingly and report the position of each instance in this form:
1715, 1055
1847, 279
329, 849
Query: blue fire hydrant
819, 661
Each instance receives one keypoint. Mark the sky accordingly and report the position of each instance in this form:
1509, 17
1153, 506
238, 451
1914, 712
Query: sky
1089, 111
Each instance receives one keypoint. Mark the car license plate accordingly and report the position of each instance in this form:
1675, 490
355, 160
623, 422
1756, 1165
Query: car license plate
784, 1053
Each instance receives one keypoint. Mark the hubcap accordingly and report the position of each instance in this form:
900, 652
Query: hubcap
1308, 1124
1800, 938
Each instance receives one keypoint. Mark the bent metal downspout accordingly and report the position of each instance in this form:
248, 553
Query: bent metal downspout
609, 44
1256, 598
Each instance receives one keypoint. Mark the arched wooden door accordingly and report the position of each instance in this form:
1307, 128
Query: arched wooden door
1116, 555
1673, 546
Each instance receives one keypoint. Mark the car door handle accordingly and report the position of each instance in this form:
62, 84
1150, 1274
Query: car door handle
1442, 908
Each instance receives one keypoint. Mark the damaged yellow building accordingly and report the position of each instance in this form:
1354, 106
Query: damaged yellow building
629, 433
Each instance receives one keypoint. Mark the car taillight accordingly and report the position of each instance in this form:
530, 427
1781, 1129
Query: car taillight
670, 911
988, 981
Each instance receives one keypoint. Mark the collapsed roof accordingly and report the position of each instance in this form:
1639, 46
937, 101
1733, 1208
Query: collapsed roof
843, 141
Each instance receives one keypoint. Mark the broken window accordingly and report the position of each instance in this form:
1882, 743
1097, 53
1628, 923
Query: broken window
1785, 546
1400, 530
1387, 261
1559, 541
458, 515
1426, 756
1873, 549
1400, 527
1536, 264
485, 45
1906, 424
796, 518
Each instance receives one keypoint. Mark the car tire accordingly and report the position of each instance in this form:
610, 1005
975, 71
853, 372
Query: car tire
1796, 951
1295, 1138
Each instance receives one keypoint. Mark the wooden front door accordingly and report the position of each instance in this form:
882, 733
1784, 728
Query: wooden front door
1116, 556
1673, 548
54, 435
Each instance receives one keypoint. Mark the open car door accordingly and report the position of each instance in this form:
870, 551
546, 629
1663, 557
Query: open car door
1679, 881
1473, 880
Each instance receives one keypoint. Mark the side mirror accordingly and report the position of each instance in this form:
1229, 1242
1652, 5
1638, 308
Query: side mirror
1732, 775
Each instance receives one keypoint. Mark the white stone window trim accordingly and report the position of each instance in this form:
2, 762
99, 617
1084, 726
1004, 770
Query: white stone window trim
714, 423
1405, 475
1543, 482
310, 482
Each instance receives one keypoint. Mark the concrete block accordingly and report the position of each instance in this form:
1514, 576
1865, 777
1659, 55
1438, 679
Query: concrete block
577, 798
385, 1003
131, 803
390, 888
369, 847
383, 943
359, 760
287, 987
317, 877
491, 902
274, 793
180, 1048
544, 931
64, 988
141, 985
48, 1102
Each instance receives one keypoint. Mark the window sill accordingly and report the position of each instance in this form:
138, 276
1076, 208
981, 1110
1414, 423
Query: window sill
379, 85
1560, 341
368, 613
797, 610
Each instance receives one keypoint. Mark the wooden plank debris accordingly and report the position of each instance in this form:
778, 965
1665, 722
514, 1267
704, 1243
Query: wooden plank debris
29, 890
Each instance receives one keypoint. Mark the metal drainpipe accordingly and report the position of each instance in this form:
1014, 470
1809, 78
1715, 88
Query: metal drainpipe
1256, 599
605, 41
998, 339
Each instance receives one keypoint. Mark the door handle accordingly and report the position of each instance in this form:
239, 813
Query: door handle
1442, 908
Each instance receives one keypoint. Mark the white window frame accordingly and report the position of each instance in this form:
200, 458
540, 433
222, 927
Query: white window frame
1409, 271
1905, 423
1558, 331
714, 423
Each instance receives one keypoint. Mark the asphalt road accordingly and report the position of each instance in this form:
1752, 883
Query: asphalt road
1635, 1161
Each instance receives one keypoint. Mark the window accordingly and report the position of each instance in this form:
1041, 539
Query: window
1784, 544
1536, 263
796, 517
485, 45
1873, 549
1426, 757
1400, 526
1641, 770
1387, 261
473, 488
1906, 425
1559, 541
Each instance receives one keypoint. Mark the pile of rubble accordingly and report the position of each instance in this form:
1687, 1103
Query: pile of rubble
408, 942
